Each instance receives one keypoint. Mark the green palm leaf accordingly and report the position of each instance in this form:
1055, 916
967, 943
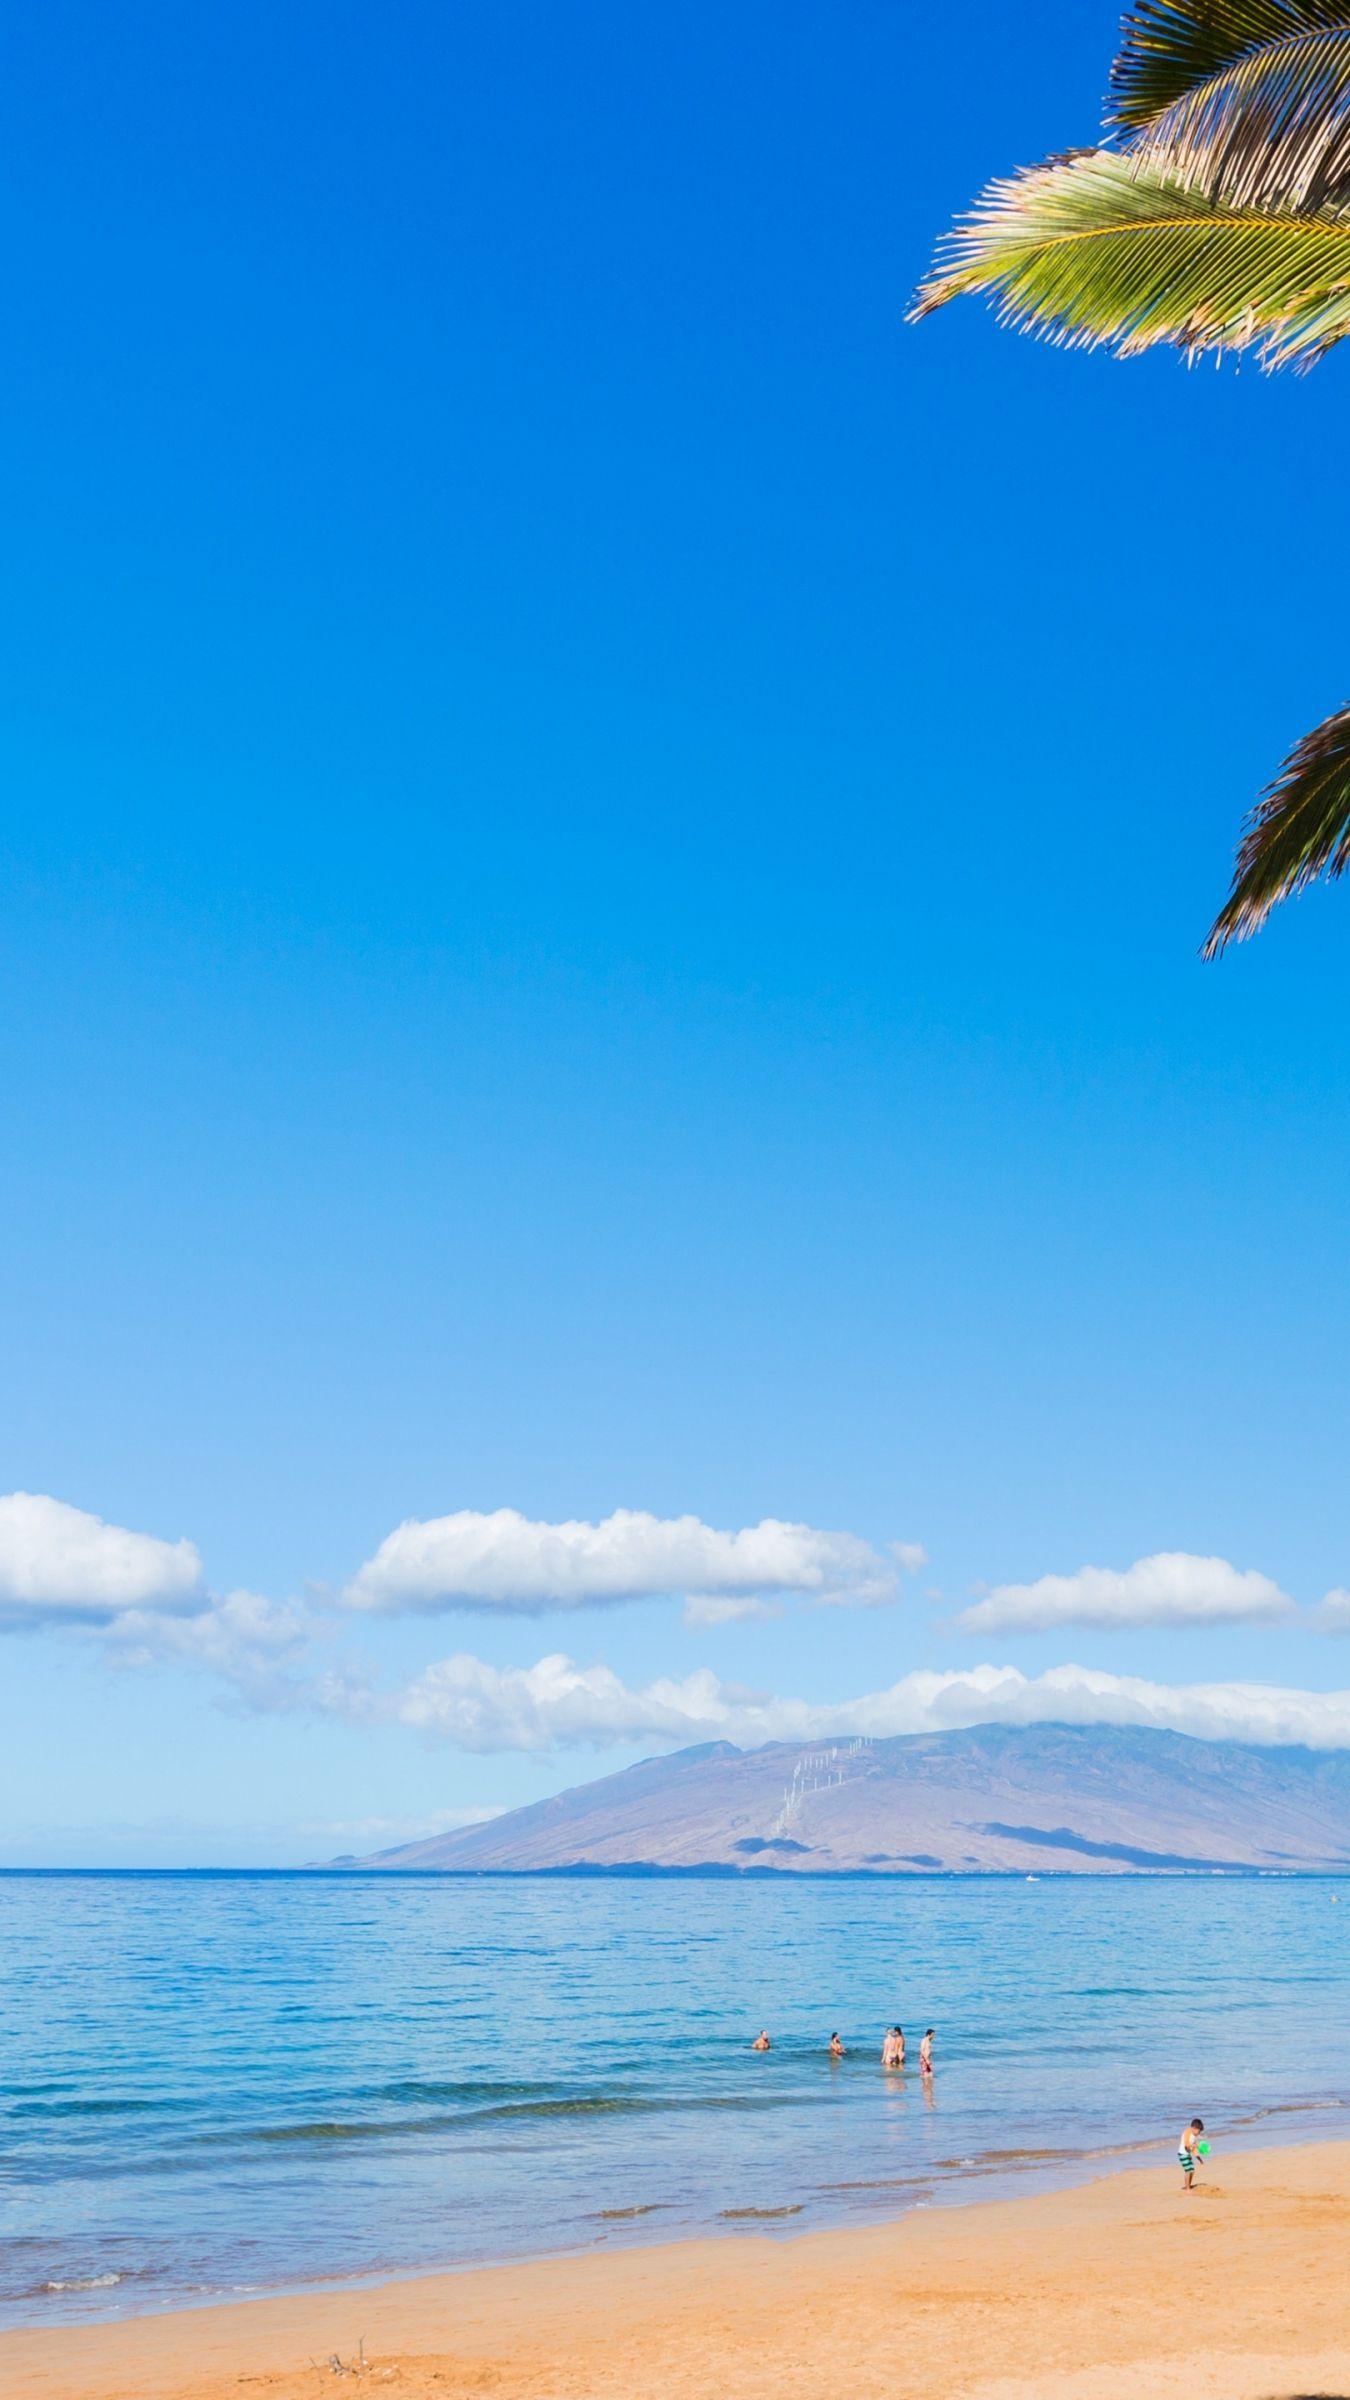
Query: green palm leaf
1267, 126
1091, 249
1299, 829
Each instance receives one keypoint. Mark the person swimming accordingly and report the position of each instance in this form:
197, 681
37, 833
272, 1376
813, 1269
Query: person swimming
1191, 2151
761, 2042
893, 2048
926, 2053
837, 2049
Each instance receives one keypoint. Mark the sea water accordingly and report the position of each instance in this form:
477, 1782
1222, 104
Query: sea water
217, 2084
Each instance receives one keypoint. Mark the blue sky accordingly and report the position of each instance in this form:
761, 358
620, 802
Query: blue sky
603, 852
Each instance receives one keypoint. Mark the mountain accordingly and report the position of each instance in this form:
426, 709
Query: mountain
1034, 1799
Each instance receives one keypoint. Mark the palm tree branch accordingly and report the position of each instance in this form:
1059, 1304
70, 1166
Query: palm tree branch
1170, 47
1270, 130
1299, 829
1090, 250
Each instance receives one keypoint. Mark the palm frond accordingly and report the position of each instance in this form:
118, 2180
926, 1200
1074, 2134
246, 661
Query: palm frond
1299, 829
1170, 47
1270, 131
1090, 250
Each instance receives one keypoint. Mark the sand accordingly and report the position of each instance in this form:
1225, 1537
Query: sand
1116, 2291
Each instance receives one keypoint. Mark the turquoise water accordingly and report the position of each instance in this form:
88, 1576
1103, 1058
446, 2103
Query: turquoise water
219, 2084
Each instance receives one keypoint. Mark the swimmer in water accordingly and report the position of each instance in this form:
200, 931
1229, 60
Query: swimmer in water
926, 2053
893, 2048
837, 2049
761, 2042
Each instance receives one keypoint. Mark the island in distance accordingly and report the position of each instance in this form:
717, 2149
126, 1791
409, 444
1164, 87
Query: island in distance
1042, 1799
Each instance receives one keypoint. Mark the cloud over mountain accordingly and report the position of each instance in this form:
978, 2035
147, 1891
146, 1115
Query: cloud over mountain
557, 1705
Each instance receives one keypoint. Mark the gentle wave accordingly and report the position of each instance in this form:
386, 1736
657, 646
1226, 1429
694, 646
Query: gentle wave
882, 2183
382, 2129
80, 2283
1007, 2158
523, 2112
428, 2088
1295, 2108
87, 2108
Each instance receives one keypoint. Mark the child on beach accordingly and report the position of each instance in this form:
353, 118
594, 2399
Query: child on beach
1188, 2156
926, 2053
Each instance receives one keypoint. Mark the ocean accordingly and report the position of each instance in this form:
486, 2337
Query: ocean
213, 2084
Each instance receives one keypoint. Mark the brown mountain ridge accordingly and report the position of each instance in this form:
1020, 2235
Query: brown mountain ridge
1041, 1799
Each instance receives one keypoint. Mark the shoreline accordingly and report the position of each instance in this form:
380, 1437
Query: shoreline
1099, 2291
983, 2180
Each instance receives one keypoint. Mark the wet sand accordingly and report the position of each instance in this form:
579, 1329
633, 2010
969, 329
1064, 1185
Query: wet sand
1116, 2291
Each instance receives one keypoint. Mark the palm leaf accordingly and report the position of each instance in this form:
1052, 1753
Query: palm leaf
1271, 129
1091, 250
1171, 47
1299, 829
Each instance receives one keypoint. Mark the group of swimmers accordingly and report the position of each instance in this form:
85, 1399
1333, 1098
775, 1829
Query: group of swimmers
892, 2048
1190, 2151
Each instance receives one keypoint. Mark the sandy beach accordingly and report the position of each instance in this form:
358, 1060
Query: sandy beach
1110, 2292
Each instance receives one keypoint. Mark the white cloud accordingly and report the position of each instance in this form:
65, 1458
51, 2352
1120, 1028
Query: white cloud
556, 1704
1172, 1588
142, 1600
910, 1556
704, 1608
507, 1563
248, 1641
1332, 1615
60, 1564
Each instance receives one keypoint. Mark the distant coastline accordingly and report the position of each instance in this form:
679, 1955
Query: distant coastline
645, 1870
1013, 1801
